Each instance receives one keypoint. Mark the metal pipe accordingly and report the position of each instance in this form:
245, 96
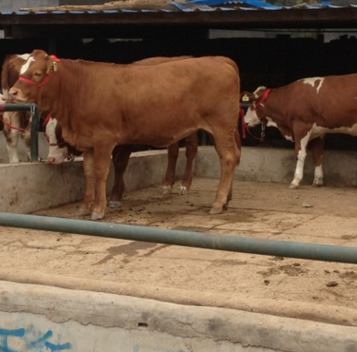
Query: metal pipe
184, 238
35, 116
16, 107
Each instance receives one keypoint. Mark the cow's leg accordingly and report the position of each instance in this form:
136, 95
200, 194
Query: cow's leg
317, 149
172, 155
191, 151
102, 156
229, 156
12, 135
89, 193
300, 151
26, 137
120, 159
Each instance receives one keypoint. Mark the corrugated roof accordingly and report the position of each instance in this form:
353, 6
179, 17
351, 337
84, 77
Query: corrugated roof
164, 6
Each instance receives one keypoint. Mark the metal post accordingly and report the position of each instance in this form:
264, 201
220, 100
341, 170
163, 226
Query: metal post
35, 118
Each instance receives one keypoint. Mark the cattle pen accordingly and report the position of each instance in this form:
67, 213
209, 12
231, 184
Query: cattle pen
81, 292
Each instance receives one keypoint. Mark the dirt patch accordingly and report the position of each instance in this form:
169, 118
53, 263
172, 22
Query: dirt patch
321, 291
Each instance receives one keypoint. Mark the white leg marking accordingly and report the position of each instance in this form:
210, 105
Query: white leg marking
166, 189
299, 171
318, 176
12, 153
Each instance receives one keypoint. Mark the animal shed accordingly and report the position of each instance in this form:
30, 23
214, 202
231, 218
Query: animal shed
305, 290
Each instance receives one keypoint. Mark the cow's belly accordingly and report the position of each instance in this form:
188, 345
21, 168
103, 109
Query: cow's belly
320, 131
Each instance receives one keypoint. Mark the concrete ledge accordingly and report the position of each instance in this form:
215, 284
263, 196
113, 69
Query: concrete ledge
278, 165
58, 319
35, 186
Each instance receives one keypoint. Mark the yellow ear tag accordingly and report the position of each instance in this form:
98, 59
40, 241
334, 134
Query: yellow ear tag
245, 98
54, 66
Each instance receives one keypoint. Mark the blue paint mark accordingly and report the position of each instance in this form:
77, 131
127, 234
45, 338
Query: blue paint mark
40, 341
34, 345
52, 347
16, 332
4, 334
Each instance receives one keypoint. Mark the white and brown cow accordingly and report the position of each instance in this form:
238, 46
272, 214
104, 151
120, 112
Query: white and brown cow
100, 106
17, 124
304, 111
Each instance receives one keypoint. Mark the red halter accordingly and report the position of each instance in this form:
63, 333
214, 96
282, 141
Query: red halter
38, 85
262, 98
47, 78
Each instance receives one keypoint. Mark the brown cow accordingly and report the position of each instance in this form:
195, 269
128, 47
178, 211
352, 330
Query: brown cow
304, 111
59, 150
16, 123
100, 106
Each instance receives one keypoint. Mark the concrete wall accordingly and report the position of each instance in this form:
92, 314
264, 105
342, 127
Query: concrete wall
35, 186
39, 318
278, 165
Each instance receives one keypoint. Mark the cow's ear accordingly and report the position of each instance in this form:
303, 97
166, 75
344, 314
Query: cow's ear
51, 66
247, 97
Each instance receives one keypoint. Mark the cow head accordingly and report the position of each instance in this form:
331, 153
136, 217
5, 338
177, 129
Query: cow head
255, 100
34, 73
59, 150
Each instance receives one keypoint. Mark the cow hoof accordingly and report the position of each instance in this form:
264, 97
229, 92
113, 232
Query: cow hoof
183, 190
317, 184
166, 190
215, 211
293, 186
96, 216
114, 204
82, 212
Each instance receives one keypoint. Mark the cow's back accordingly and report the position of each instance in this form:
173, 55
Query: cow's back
146, 104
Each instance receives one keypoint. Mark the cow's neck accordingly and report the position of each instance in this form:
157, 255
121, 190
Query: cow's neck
272, 110
60, 94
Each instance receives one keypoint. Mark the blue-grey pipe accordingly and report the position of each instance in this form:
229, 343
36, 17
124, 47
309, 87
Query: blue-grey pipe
34, 132
16, 107
184, 238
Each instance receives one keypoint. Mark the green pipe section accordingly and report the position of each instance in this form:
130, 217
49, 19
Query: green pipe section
184, 238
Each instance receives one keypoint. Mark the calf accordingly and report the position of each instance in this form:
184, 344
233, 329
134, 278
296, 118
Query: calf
16, 124
304, 111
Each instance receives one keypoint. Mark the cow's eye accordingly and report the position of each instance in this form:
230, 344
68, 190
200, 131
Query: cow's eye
37, 74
